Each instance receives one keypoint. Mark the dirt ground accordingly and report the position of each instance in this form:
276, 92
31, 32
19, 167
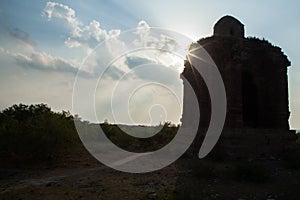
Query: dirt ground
187, 178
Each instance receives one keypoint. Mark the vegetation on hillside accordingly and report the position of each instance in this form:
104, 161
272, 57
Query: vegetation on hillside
36, 133
165, 133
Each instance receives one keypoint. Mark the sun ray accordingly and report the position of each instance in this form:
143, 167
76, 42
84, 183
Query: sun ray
197, 48
196, 56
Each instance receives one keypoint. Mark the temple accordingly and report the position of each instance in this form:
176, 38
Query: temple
254, 73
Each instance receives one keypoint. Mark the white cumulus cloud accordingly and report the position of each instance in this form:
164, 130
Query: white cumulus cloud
153, 39
87, 36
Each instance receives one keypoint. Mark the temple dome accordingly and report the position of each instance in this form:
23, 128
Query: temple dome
229, 26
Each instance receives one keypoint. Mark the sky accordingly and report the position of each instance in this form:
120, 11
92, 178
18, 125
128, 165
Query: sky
43, 46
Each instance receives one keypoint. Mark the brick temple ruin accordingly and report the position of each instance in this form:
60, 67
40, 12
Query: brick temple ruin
255, 78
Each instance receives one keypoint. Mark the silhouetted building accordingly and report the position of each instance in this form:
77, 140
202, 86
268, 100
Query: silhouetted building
255, 77
254, 74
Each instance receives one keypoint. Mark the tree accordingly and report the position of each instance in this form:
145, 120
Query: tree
35, 132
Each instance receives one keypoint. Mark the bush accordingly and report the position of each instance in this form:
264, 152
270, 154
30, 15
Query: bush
125, 141
35, 132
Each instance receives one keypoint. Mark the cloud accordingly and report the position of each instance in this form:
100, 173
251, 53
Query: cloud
61, 11
87, 36
22, 36
152, 69
142, 28
113, 73
135, 61
2, 51
153, 39
15, 35
160, 57
41, 61
72, 43
44, 62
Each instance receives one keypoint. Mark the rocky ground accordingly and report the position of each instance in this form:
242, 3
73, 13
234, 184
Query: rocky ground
86, 178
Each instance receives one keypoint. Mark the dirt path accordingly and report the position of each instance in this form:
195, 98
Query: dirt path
22, 179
